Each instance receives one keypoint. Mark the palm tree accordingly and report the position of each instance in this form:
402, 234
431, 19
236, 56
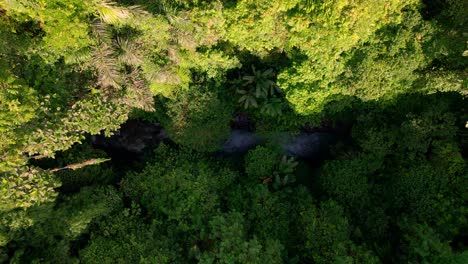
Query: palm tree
247, 99
117, 59
262, 83
259, 85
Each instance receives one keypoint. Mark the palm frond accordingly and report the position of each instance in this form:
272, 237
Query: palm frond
106, 66
102, 31
137, 11
167, 75
138, 94
247, 99
110, 13
167, 8
79, 57
104, 58
128, 52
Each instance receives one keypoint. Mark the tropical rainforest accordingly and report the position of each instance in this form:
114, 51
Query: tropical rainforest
233, 131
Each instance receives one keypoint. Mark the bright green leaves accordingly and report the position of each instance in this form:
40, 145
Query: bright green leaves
395, 185
338, 47
62, 27
348, 54
256, 26
389, 66
62, 130
110, 13
45, 104
25, 187
18, 105
65, 27
214, 64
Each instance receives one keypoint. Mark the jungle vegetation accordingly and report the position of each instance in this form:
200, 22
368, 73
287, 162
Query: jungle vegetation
388, 78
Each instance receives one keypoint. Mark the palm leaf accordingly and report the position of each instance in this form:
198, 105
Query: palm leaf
249, 78
138, 94
110, 13
267, 73
106, 66
129, 53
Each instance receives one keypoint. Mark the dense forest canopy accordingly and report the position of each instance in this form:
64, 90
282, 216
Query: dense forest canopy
243, 131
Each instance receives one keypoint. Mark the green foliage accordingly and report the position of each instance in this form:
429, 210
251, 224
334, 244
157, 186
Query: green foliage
181, 187
26, 186
64, 129
398, 169
272, 107
415, 190
261, 162
46, 232
347, 181
425, 246
285, 173
326, 241
60, 132
260, 83
247, 99
124, 237
197, 119
267, 212
267, 164
228, 232
39, 115
393, 73
18, 105
48, 23
261, 90
339, 47
449, 216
